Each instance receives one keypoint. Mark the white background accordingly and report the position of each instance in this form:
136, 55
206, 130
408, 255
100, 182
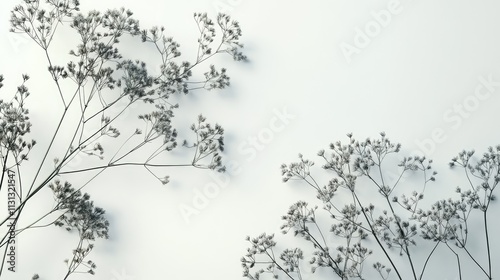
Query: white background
408, 81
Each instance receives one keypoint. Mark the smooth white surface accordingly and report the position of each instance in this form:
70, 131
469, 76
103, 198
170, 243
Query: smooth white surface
427, 61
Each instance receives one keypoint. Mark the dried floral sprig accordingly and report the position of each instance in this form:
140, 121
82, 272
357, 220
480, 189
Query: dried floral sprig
98, 85
396, 222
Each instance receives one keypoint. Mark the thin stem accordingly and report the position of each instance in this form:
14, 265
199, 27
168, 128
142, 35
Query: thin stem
374, 233
473, 259
386, 196
336, 269
124, 164
277, 264
486, 233
32, 225
458, 261
54, 78
407, 251
427, 260
4, 169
